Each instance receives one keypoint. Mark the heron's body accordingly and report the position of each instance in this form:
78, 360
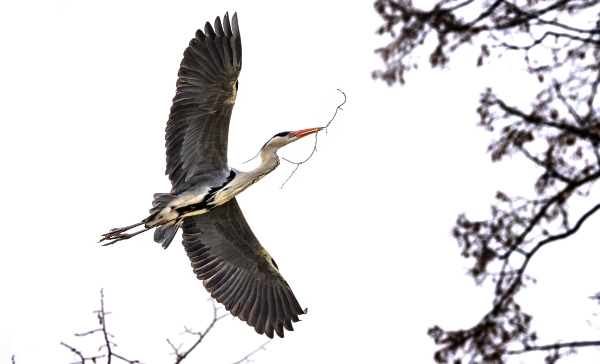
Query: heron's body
170, 210
225, 254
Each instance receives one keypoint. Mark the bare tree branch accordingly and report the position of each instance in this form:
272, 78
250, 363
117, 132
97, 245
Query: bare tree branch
559, 134
108, 345
246, 359
575, 344
179, 355
80, 355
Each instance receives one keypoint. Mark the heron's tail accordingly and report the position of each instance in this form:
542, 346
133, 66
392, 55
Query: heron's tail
161, 200
160, 210
163, 218
164, 234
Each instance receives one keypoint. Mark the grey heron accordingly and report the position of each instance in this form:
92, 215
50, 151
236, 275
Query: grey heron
225, 254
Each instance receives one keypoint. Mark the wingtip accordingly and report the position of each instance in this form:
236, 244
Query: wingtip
209, 31
235, 27
219, 27
227, 25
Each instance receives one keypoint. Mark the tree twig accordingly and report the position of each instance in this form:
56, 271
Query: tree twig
339, 107
80, 355
179, 356
246, 359
575, 344
109, 345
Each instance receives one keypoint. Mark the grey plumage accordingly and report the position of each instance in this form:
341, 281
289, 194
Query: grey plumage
237, 271
198, 128
224, 253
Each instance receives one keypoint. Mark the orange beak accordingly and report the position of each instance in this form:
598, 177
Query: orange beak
304, 132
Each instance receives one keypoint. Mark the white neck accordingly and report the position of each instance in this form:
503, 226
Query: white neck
243, 180
268, 162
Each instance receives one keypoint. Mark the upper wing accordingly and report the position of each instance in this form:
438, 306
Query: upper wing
237, 271
198, 126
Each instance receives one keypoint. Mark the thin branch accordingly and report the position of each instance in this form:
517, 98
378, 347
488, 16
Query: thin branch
483, 15
175, 349
79, 354
246, 359
126, 360
102, 318
339, 107
580, 132
574, 344
564, 101
567, 27
526, 16
101, 315
201, 335
596, 153
517, 281
74, 351
567, 233
593, 93
458, 6
336, 110
542, 211
90, 332
299, 163
547, 166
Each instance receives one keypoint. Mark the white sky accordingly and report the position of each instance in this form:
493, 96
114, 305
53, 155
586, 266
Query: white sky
361, 232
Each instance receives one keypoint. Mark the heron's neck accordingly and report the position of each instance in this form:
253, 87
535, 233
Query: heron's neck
269, 161
243, 180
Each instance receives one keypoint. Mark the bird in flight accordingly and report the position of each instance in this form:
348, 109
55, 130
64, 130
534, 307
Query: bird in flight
232, 264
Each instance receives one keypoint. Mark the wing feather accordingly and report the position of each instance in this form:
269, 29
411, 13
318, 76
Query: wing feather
285, 305
254, 319
228, 291
235, 298
218, 28
249, 301
237, 270
198, 126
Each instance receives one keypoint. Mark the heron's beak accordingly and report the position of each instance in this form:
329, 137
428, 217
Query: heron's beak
302, 133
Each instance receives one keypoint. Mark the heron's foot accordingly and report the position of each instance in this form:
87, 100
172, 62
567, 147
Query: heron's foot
118, 234
115, 235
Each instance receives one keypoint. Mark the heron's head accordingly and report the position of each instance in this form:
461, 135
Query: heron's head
284, 138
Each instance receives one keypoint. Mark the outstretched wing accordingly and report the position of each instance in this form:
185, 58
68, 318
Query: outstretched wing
198, 126
237, 271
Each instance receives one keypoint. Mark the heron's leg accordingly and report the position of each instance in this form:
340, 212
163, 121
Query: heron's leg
113, 237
